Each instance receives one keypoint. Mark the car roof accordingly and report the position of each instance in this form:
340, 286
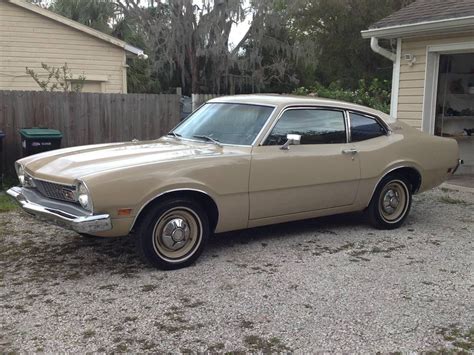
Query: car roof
282, 101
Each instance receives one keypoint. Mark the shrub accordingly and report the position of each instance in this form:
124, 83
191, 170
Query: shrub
376, 94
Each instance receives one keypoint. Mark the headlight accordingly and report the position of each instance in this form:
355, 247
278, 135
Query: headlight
20, 172
83, 197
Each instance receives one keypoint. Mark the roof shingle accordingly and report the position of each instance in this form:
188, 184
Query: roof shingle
427, 10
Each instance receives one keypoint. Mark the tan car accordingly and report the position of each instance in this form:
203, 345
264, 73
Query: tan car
237, 162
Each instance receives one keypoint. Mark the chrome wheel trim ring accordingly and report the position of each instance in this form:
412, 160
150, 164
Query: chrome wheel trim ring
394, 201
177, 234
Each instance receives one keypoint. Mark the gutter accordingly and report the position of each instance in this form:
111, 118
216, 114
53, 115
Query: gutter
139, 52
416, 29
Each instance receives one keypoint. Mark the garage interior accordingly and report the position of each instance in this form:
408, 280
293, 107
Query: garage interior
455, 105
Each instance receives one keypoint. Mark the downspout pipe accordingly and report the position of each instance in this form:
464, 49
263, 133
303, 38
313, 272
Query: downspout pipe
374, 44
395, 58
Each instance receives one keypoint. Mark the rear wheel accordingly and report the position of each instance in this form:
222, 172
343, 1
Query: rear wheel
391, 202
173, 234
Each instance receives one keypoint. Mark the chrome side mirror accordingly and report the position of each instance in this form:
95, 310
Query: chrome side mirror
291, 139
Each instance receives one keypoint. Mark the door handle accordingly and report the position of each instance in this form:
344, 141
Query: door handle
350, 151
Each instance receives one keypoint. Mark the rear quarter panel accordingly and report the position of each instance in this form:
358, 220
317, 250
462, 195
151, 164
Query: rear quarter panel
431, 156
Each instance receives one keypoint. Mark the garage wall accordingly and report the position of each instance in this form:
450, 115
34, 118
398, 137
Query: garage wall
412, 78
28, 38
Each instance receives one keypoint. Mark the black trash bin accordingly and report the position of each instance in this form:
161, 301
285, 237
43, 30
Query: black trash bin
37, 140
2, 135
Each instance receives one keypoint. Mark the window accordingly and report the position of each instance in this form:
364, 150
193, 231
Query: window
315, 127
364, 127
226, 123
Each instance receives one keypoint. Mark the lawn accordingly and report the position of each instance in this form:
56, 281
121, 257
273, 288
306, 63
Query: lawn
6, 203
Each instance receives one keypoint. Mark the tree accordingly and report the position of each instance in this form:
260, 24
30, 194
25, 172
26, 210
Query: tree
57, 79
189, 43
335, 25
97, 14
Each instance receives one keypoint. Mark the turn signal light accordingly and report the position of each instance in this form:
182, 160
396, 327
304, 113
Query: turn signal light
124, 212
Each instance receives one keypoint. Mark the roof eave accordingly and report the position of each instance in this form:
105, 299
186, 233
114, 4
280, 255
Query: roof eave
78, 26
422, 28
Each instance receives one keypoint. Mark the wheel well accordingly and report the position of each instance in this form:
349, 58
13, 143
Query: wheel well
200, 197
412, 175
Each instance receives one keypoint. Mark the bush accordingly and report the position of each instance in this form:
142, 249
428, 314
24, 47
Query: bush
376, 94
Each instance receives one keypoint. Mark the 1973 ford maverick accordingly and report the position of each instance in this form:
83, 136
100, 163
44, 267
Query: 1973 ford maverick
237, 162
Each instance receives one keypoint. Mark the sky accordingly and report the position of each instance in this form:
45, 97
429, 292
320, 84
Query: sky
238, 31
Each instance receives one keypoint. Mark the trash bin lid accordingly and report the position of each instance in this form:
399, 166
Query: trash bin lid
40, 133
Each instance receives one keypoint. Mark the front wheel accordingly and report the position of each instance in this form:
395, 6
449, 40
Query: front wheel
391, 202
173, 234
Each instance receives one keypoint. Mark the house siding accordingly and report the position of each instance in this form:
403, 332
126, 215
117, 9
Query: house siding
27, 39
412, 78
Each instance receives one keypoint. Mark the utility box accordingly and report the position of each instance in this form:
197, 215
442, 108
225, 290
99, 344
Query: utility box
38, 140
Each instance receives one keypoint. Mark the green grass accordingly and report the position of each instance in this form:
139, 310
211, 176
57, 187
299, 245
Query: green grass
6, 203
7, 182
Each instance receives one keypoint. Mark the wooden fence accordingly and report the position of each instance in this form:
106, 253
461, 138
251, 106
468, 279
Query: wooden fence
199, 99
85, 118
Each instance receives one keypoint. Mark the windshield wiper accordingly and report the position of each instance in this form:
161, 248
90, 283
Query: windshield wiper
176, 135
209, 139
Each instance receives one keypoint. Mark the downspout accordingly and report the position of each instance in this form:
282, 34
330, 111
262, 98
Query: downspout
374, 44
395, 58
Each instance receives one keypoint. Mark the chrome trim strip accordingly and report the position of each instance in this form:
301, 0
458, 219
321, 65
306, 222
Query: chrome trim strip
78, 182
459, 163
297, 107
167, 192
264, 125
50, 181
348, 126
80, 224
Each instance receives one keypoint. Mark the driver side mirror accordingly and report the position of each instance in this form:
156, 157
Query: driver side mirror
292, 139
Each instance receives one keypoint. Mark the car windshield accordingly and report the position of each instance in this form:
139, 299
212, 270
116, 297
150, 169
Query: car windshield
224, 123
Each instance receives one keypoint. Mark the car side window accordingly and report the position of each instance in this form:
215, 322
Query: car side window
365, 127
315, 126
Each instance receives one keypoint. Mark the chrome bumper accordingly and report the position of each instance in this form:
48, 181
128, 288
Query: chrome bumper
60, 213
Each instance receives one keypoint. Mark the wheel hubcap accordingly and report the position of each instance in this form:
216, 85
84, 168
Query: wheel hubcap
391, 200
394, 201
177, 233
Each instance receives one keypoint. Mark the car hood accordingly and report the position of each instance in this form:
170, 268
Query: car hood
67, 165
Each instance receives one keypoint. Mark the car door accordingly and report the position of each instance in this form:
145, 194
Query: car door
321, 172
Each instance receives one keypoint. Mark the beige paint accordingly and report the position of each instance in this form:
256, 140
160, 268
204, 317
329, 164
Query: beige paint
412, 77
251, 185
28, 38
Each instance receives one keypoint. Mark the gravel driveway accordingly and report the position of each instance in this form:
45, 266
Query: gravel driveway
331, 284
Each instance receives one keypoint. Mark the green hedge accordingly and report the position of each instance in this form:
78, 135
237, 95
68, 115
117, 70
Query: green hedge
375, 94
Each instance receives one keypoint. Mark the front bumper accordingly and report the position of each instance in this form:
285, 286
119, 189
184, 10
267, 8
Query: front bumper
60, 213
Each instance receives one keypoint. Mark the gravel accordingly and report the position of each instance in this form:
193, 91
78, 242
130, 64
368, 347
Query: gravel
331, 284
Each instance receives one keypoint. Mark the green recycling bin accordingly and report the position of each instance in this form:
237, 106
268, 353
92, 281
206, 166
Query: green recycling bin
38, 140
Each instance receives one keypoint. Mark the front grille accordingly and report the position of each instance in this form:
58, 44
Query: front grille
56, 191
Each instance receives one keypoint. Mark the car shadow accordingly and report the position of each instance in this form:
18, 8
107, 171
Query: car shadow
265, 234
70, 256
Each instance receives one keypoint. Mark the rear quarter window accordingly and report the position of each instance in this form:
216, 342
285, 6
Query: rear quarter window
365, 127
